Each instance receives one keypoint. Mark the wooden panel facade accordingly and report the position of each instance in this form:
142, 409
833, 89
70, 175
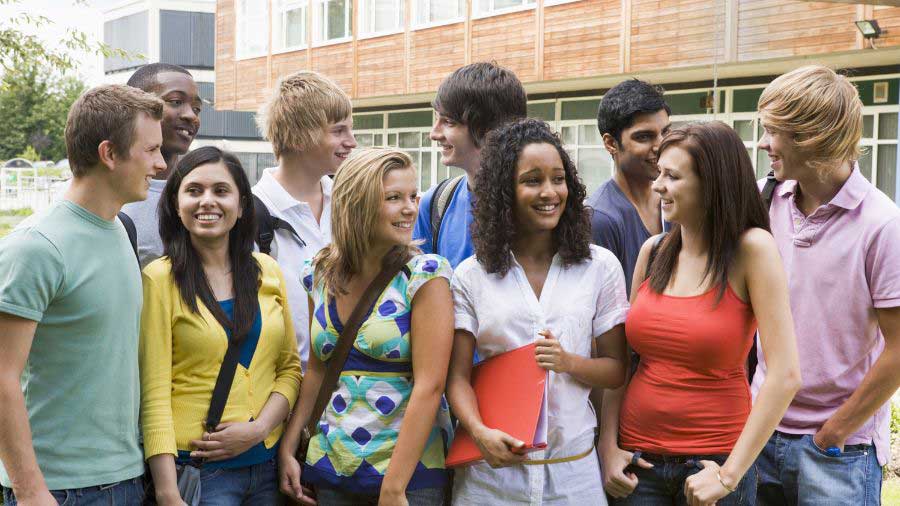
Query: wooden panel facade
583, 39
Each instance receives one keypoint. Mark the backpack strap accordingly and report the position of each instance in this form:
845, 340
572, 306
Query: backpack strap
769, 188
440, 201
266, 225
131, 230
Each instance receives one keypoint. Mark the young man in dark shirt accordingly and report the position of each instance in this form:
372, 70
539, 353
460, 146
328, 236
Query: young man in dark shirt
633, 118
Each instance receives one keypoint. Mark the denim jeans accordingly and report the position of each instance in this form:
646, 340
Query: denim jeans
663, 485
794, 471
250, 486
123, 493
420, 497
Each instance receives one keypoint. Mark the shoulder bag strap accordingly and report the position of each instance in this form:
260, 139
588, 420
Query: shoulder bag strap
769, 188
131, 230
443, 194
266, 225
392, 263
223, 384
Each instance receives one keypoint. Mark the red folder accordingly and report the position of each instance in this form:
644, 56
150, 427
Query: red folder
512, 396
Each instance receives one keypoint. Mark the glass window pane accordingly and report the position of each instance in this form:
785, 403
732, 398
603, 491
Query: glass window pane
368, 121
759, 129
364, 140
543, 110
482, 6
379, 140
744, 129
589, 135
415, 158
295, 27
569, 135
455, 171
502, 4
426, 140
425, 171
865, 161
336, 19
887, 168
594, 167
868, 126
763, 164
887, 126
392, 140
409, 139
580, 109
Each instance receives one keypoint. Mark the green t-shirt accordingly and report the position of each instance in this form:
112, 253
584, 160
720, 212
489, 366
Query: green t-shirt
75, 274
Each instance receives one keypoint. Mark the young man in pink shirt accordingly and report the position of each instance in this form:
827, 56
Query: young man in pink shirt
839, 239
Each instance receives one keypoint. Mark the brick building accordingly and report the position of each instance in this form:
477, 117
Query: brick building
712, 56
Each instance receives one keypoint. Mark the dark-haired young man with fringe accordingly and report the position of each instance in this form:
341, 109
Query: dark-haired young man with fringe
181, 121
471, 101
632, 119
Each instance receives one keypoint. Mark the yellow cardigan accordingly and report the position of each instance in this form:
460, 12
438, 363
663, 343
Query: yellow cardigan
181, 354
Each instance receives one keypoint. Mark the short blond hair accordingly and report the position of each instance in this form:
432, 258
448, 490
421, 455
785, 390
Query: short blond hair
821, 109
299, 109
105, 113
355, 209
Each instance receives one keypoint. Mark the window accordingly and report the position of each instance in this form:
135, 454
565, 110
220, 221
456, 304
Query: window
380, 17
332, 20
128, 33
491, 7
252, 28
289, 24
584, 144
430, 12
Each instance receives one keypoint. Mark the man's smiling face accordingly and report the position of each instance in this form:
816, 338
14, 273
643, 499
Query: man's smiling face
181, 114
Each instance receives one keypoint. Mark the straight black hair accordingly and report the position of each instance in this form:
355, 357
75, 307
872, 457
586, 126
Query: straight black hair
626, 100
729, 197
481, 96
187, 268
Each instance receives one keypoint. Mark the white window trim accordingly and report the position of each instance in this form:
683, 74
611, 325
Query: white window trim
500, 12
414, 12
371, 35
320, 23
278, 13
548, 3
238, 54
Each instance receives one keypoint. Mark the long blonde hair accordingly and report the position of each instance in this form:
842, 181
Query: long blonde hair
356, 200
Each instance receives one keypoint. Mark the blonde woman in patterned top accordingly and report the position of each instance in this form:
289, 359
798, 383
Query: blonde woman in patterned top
383, 435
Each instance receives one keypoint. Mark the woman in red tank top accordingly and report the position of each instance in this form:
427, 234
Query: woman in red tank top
683, 429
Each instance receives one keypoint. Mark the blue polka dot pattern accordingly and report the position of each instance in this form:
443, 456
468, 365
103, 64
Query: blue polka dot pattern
430, 266
339, 403
385, 405
387, 308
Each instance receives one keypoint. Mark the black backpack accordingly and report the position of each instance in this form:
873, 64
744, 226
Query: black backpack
440, 201
266, 225
767, 192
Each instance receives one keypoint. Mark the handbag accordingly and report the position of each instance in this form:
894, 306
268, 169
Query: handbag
189, 474
392, 263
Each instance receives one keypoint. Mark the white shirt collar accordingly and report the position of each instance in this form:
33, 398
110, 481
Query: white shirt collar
280, 198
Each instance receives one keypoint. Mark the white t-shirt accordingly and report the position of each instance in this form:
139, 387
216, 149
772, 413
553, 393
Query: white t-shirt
289, 253
577, 303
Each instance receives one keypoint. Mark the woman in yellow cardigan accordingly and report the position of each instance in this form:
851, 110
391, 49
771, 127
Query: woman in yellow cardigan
208, 281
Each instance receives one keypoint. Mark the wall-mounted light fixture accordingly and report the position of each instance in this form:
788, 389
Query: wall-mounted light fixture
868, 28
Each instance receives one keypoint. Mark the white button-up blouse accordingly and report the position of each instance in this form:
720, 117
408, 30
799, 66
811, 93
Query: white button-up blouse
577, 303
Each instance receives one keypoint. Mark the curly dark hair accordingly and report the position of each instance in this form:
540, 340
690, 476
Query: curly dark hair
494, 225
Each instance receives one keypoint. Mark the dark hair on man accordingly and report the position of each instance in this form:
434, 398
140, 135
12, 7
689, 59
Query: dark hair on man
728, 195
626, 100
494, 225
187, 268
105, 113
481, 96
145, 77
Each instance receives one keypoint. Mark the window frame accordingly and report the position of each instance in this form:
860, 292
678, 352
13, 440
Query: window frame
320, 23
240, 47
418, 4
279, 39
493, 11
400, 19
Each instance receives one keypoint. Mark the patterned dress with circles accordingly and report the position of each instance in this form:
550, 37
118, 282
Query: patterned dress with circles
360, 425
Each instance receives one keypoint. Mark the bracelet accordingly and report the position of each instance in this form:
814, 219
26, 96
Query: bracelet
719, 476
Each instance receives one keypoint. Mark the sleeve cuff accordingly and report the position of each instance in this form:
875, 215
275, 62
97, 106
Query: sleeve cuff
159, 442
605, 322
21, 312
463, 321
289, 388
886, 303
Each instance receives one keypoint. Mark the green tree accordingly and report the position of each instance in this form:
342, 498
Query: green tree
19, 47
34, 106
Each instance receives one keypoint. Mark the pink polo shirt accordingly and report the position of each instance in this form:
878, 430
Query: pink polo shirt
842, 262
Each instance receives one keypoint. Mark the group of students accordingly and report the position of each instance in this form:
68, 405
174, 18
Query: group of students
644, 301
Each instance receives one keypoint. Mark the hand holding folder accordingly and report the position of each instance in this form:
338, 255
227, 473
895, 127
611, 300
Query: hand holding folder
511, 391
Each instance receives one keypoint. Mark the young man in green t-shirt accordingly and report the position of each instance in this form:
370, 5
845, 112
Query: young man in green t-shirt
70, 306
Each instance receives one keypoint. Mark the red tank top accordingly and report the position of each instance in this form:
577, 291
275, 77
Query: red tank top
689, 394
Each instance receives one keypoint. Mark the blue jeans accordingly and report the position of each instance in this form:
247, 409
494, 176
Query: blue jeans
420, 497
794, 471
251, 486
123, 493
663, 485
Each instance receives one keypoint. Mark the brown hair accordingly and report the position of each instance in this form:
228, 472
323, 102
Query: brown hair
728, 195
105, 113
299, 109
821, 109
